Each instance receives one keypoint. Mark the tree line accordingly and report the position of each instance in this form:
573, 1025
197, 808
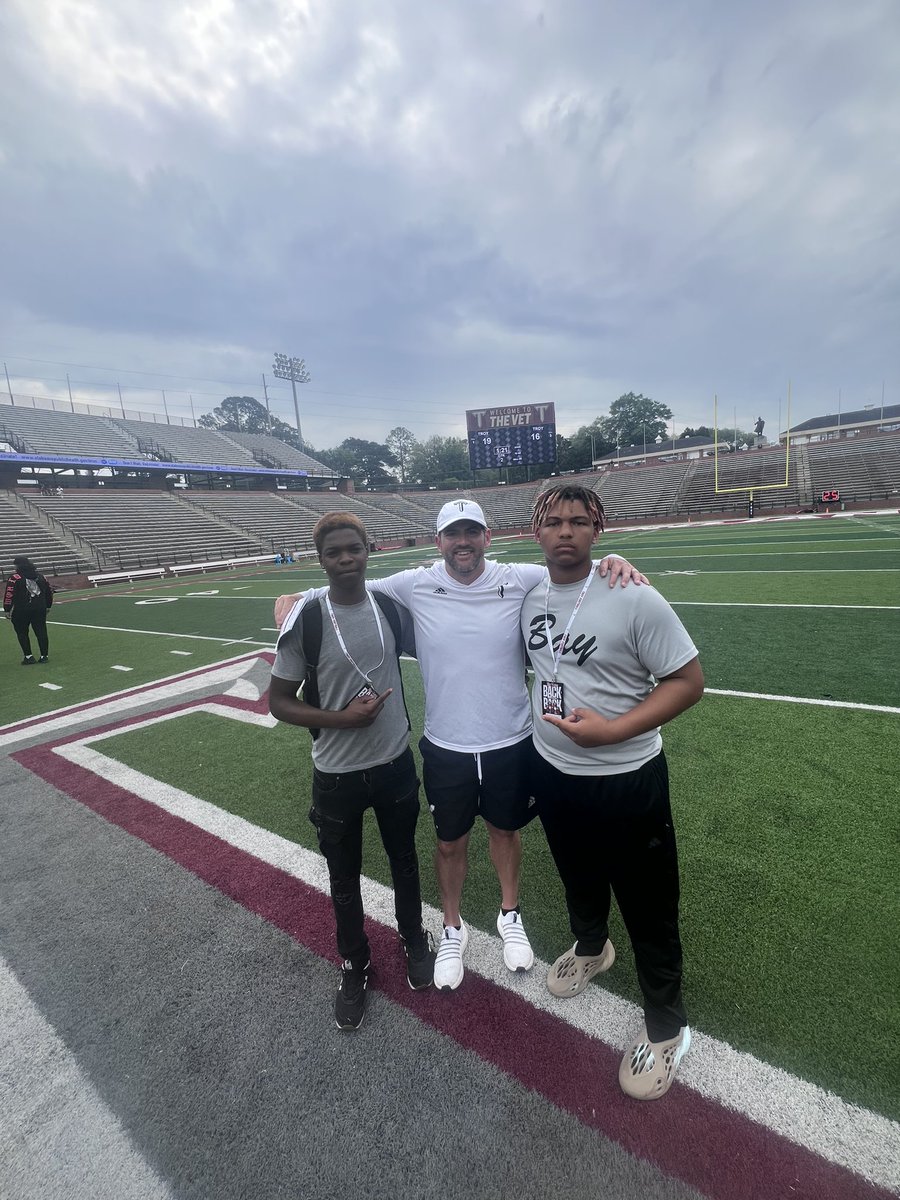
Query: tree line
634, 421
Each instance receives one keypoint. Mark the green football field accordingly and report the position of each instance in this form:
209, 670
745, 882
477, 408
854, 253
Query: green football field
784, 778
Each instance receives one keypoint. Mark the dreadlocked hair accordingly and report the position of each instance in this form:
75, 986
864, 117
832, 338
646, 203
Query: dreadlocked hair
567, 491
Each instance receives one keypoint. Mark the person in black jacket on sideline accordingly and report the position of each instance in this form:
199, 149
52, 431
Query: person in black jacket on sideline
26, 599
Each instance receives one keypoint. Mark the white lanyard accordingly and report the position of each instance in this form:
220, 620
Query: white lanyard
337, 634
558, 653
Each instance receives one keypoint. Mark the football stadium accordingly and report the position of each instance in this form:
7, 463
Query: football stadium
168, 953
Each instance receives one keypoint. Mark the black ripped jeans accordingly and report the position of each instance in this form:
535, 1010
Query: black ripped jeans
339, 803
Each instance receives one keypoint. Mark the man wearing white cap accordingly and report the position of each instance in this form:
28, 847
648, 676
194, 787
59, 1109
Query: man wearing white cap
476, 748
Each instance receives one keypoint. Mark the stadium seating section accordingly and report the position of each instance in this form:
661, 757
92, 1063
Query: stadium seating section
111, 528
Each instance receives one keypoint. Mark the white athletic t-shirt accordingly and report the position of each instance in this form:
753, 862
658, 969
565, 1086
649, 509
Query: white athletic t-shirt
620, 642
469, 646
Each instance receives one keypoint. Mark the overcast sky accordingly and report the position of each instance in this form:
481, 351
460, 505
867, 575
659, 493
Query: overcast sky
447, 205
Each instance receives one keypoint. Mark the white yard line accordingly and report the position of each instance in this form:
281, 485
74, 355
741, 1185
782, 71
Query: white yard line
763, 604
881, 708
195, 637
826, 550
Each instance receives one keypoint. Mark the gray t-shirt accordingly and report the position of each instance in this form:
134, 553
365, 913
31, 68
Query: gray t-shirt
620, 642
339, 750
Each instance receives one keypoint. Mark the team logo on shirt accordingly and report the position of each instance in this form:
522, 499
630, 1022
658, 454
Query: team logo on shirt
439, 591
581, 647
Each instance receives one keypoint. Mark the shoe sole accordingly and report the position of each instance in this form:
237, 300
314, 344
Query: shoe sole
451, 987
419, 987
349, 1028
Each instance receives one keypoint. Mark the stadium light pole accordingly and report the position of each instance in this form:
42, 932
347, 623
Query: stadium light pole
295, 370
644, 428
268, 410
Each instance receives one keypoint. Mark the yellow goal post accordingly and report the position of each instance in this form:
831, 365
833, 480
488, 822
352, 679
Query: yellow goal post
750, 489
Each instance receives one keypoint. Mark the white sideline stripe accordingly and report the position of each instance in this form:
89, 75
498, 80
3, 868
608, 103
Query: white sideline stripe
885, 708
193, 637
799, 571
183, 653
853, 1137
116, 668
826, 549
57, 1136
51, 687
119, 703
759, 604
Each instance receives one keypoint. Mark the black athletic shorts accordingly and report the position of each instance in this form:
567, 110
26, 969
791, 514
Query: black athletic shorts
461, 786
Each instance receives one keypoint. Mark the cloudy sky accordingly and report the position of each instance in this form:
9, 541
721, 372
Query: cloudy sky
447, 205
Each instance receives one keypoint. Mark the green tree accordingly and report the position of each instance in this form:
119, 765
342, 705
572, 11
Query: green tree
577, 452
366, 463
401, 444
440, 462
634, 419
244, 414
237, 414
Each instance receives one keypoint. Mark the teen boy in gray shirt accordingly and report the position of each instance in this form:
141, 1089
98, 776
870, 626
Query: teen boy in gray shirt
610, 667
361, 756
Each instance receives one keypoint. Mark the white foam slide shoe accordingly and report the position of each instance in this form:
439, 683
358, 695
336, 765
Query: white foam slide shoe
649, 1068
571, 973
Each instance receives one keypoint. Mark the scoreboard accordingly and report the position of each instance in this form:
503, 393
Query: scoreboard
521, 435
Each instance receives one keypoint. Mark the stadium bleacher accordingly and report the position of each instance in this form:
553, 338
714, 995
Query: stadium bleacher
868, 467
133, 529
27, 531
104, 527
278, 454
185, 444
45, 432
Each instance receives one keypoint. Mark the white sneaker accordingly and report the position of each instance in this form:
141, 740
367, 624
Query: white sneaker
448, 966
517, 952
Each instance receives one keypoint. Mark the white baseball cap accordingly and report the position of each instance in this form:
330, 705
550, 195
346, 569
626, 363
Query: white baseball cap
460, 510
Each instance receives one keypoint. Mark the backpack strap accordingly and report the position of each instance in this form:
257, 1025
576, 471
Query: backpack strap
311, 641
389, 608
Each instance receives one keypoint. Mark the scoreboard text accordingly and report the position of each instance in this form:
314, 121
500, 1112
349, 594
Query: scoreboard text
520, 435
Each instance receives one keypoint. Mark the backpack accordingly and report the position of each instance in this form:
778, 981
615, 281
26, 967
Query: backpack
311, 640
34, 596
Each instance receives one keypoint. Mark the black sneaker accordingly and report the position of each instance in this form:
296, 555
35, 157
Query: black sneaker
350, 1001
28, 660
419, 952
44, 658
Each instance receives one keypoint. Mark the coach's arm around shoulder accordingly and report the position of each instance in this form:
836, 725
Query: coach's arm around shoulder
285, 705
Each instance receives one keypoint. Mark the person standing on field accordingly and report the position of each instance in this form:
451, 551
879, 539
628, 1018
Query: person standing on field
611, 667
27, 599
353, 705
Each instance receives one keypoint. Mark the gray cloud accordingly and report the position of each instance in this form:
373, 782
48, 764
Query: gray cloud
446, 206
